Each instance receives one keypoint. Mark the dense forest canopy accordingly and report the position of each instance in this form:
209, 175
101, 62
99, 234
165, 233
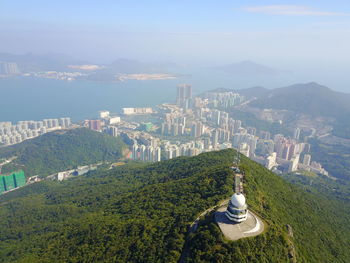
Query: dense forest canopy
61, 150
335, 158
141, 213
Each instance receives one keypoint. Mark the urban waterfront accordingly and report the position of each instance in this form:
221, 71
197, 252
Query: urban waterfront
27, 98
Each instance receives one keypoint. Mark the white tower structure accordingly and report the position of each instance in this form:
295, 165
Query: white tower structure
237, 208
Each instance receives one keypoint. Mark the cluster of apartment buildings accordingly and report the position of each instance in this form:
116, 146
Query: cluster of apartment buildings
287, 154
8, 68
105, 123
225, 99
201, 124
23, 130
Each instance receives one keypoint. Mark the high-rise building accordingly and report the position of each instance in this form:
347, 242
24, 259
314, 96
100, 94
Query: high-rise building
94, 125
104, 114
197, 129
113, 131
9, 68
296, 133
216, 117
307, 159
293, 166
251, 130
157, 155
271, 161
55, 123
285, 152
135, 151
184, 94
244, 149
143, 153
169, 153
215, 137
64, 122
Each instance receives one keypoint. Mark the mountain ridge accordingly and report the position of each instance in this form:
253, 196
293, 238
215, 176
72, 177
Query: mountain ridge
61, 150
306, 98
134, 214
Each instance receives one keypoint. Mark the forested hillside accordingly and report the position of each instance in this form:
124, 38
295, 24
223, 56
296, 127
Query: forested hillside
335, 158
310, 99
141, 213
61, 150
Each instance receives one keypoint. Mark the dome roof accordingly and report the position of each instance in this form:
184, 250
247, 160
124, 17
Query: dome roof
238, 200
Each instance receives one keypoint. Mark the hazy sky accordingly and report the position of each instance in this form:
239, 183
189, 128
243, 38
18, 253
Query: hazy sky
284, 34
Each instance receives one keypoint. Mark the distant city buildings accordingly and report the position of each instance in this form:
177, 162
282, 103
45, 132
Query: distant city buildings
204, 125
225, 99
9, 68
184, 95
146, 153
106, 123
23, 130
190, 126
132, 111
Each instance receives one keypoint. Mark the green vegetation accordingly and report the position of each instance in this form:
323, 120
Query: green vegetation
141, 213
310, 99
334, 158
129, 214
342, 127
61, 150
319, 224
319, 184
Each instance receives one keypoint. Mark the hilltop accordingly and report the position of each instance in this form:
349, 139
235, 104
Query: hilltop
61, 150
141, 213
308, 98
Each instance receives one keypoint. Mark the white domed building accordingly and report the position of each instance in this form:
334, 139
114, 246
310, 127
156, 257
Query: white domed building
237, 208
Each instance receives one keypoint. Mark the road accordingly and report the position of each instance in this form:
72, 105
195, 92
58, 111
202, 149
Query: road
194, 226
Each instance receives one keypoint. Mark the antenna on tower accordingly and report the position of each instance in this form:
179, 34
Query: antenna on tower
237, 159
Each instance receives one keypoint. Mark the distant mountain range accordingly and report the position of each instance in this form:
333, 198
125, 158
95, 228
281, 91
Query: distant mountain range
59, 62
248, 67
30, 62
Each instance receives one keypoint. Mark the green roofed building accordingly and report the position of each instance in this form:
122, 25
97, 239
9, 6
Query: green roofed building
2, 185
12, 181
20, 179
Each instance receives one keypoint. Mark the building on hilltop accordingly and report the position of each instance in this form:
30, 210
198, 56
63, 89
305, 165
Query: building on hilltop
237, 208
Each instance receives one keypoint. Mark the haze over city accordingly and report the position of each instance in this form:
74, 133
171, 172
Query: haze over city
308, 38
